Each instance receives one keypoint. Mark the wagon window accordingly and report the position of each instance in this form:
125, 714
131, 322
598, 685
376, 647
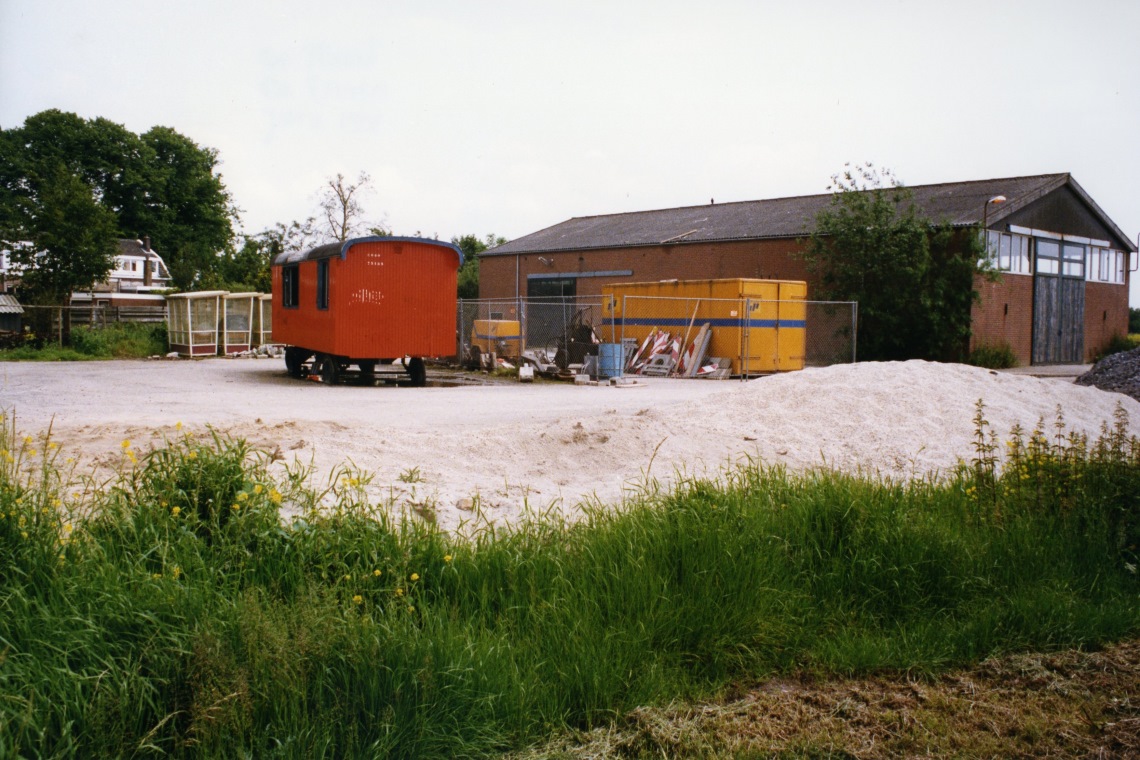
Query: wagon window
290, 287
323, 284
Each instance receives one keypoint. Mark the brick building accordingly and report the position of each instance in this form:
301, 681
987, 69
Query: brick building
1061, 295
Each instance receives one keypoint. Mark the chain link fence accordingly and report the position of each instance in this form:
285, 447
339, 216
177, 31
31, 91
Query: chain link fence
663, 337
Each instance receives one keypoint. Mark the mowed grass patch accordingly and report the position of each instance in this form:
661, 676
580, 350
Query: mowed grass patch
169, 610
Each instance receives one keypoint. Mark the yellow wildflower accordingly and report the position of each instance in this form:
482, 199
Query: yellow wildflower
176, 511
242, 496
178, 425
258, 488
192, 455
447, 558
347, 577
235, 507
126, 444
377, 573
357, 599
399, 592
415, 577
177, 572
275, 496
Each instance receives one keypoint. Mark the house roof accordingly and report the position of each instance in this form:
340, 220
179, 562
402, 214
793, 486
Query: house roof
957, 203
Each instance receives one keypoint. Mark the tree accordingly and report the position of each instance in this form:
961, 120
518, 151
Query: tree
472, 246
341, 212
68, 242
913, 279
160, 184
248, 267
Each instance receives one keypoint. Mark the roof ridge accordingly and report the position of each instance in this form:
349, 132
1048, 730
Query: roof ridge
1047, 176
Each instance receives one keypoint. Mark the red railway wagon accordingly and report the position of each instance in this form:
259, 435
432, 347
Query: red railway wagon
364, 302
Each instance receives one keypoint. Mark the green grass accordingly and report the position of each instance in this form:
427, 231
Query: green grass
125, 340
169, 611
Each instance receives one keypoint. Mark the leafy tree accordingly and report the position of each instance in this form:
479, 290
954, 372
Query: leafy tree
68, 242
472, 246
248, 267
190, 219
913, 279
1134, 321
160, 184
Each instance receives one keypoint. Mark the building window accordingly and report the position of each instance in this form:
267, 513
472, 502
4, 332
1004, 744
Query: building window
290, 287
323, 284
1008, 252
1105, 265
1074, 260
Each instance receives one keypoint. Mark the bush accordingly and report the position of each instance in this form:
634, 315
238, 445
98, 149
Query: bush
124, 340
1000, 356
1116, 344
1134, 321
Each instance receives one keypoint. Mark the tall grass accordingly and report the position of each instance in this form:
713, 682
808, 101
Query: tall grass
168, 610
126, 340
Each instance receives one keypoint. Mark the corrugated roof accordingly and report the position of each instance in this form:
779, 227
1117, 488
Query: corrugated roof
958, 203
9, 305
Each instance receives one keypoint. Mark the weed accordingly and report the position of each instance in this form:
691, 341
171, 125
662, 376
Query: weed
998, 356
173, 609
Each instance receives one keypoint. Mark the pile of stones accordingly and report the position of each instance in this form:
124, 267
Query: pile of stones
1118, 372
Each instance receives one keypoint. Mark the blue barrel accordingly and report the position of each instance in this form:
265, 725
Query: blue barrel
611, 360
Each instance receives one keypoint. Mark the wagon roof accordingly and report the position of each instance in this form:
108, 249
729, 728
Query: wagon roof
329, 250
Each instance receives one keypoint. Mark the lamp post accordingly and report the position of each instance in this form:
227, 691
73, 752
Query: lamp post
986, 209
985, 220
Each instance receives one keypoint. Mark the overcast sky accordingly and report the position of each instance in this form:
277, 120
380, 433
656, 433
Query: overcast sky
508, 117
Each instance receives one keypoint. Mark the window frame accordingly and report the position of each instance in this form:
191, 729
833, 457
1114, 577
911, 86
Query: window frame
291, 286
322, 284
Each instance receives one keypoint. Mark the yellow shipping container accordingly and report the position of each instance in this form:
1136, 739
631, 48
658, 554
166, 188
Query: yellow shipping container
769, 338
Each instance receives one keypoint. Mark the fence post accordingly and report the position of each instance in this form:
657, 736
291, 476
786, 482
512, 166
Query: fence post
854, 331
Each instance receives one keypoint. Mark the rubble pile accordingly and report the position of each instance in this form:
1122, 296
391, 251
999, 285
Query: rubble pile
1118, 372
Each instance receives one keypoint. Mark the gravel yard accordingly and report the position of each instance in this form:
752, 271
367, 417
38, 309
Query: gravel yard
443, 451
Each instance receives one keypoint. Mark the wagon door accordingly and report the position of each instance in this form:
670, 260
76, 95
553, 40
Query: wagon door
1058, 303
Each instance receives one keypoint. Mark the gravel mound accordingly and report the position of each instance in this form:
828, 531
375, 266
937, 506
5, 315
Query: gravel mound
1119, 373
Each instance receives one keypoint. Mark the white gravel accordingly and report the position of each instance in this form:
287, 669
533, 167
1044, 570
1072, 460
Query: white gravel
509, 447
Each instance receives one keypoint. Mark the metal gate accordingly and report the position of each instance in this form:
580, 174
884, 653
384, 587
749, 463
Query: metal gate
1059, 303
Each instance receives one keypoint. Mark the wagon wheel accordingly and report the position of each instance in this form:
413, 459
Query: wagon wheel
330, 369
294, 358
417, 372
562, 359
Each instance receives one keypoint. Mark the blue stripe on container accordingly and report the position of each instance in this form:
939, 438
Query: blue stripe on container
480, 336
684, 322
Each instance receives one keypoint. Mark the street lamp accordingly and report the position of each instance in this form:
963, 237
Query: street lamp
986, 209
985, 220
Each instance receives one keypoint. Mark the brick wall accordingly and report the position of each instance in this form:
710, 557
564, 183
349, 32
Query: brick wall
763, 259
1106, 314
1004, 315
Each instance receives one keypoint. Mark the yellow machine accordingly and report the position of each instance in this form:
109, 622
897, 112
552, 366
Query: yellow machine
768, 338
499, 336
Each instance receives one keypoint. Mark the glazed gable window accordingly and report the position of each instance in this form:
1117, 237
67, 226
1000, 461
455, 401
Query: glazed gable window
1008, 252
